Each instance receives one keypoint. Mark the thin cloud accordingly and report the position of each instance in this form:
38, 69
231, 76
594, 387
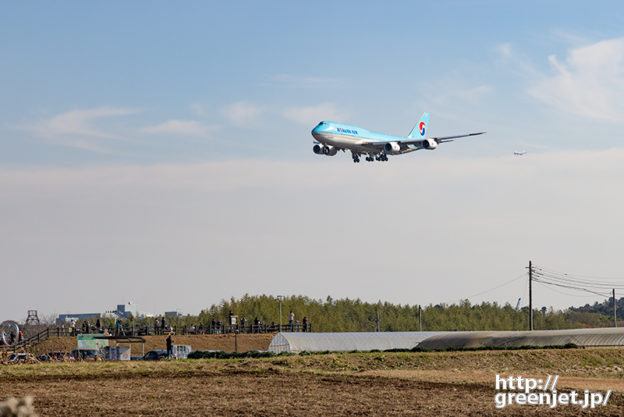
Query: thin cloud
505, 50
179, 127
476, 94
309, 115
78, 128
588, 83
242, 112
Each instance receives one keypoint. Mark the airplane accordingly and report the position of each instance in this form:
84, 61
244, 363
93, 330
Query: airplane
519, 153
333, 137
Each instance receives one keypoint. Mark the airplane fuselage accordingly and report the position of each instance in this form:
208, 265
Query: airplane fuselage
354, 138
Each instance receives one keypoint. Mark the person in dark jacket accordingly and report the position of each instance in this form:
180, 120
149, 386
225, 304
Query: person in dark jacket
169, 346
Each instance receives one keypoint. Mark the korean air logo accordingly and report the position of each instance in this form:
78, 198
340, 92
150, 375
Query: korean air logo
421, 126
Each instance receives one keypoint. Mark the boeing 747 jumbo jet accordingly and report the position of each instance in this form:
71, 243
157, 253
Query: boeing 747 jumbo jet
333, 137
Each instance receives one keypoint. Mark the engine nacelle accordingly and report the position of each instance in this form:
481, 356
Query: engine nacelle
330, 150
392, 147
324, 150
429, 144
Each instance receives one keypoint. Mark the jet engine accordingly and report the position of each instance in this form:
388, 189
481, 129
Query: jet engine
392, 147
429, 144
324, 150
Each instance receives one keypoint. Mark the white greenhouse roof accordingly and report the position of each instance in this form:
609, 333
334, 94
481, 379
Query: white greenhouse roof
610, 336
296, 342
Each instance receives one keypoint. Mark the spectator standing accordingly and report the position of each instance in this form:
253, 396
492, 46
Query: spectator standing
305, 324
291, 320
169, 346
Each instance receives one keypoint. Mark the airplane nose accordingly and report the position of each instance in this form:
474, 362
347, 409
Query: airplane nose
317, 129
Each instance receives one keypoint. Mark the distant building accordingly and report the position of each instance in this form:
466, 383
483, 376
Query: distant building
119, 313
63, 318
173, 314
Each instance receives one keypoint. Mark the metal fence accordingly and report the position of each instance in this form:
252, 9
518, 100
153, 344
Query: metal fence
130, 330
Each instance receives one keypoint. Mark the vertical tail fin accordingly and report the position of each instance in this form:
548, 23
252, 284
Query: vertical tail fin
420, 130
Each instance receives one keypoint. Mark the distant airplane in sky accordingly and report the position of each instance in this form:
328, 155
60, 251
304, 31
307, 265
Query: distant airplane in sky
519, 153
333, 137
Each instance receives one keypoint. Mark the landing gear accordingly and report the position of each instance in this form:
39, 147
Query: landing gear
369, 157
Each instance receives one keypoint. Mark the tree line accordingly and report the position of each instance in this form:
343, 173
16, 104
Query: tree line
350, 315
355, 315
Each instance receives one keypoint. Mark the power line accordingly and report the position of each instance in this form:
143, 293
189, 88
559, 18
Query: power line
497, 287
575, 284
570, 287
550, 288
579, 282
552, 278
593, 278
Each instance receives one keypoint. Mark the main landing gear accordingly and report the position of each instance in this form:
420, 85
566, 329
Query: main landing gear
380, 157
370, 157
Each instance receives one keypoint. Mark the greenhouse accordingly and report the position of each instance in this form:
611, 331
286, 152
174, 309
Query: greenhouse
610, 336
363, 341
366, 341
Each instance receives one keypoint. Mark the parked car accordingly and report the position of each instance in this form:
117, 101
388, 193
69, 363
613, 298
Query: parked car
155, 355
57, 355
86, 354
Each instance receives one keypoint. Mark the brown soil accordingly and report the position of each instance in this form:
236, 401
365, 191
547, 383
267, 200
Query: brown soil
436, 384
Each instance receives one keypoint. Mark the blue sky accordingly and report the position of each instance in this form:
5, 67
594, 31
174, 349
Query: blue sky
238, 79
165, 119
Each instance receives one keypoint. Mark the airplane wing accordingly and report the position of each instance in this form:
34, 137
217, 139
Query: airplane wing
417, 142
451, 138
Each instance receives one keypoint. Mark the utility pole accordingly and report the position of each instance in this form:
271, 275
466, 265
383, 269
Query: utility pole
614, 310
377, 320
530, 295
419, 318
